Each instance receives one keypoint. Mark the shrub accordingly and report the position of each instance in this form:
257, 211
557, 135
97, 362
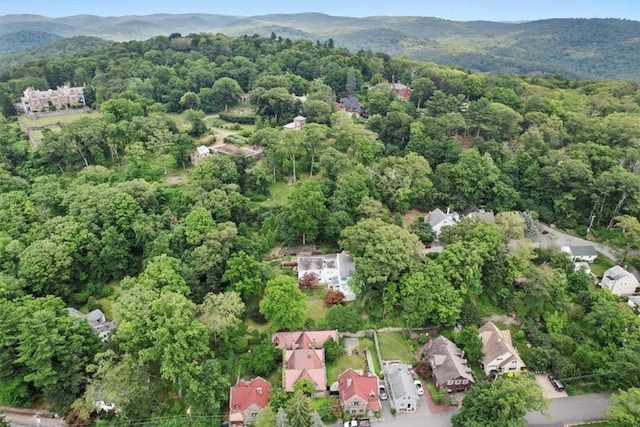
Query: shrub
332, 350
238, 118
344, 319
393, 411
332, 298
309, 323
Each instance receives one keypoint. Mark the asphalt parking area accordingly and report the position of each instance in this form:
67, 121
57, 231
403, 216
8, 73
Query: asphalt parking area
547, 389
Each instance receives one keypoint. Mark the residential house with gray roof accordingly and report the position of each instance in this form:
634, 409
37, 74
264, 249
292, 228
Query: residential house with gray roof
449, 368
404, 395
500, 355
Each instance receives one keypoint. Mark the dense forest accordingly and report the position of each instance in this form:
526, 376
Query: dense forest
574, 48
107, 211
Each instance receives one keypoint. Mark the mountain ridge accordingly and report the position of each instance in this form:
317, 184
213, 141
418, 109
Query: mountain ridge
581, 48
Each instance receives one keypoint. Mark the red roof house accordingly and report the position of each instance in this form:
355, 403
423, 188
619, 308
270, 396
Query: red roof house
247, 399
358, 392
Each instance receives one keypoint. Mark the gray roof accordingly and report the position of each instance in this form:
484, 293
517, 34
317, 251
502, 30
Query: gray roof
400, 381
616, 272
447, 360
436, 216
346, 263
496, 342
96, 316
587, 250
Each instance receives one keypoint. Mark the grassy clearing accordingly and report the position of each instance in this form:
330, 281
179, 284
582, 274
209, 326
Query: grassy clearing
279, 195
394, 347
315, 310
600, 265
370, 345
486, 308
409, 217
52, 120
343, 363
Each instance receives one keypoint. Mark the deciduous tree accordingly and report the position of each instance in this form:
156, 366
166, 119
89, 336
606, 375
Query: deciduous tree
283, 304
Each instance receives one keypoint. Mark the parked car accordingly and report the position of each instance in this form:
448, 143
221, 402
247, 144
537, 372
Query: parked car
383, 392
352, 423
556, 383
419, 387
101, 405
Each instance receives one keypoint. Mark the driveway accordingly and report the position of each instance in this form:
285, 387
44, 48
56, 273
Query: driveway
547, 389
570, 410
554, 237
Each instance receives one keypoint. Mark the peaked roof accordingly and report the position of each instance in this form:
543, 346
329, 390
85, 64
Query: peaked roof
247, 393
401, 382
496, 342
447, 360
586, 250
355, 383
616, 272
310, 339
305, 363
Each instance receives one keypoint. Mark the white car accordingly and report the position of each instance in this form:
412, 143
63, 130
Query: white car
352, 423
419, 387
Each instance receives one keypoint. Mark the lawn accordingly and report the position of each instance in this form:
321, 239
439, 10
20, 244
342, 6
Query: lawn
369, 345
600, 265
343, 363
315, 309
279, 195
323, 406
52, 120
394, 347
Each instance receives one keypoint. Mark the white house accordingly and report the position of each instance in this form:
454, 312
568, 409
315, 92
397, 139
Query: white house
296, 124
500, 355
634, 303
619, 281
585, 253
403, 390
439, 219
200, 153
333, 269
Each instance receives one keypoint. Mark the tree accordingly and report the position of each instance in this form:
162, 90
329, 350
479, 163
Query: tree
197, 126
307, 209
282, 419
501, 403
299, 410
221, 312
344, 319
283, 304
332, 298
423, 230
625, 408
308, 280
468, 340
383, 253
316, 420
263, 359
266, 418
332, 350
226, 92
244, 274
512, 224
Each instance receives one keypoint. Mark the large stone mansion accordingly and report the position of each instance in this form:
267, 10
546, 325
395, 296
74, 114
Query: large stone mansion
35, 100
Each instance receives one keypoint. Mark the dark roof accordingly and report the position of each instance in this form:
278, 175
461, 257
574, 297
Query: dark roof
447, 360
352, 103
587, 250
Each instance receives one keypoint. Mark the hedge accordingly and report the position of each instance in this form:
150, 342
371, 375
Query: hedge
238, 118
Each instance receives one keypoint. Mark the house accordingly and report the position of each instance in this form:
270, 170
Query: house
500, 355
403, 391
439, 219
479, 214
333, 269
586, 253
96, 320
358, 392
619, 281
246, 399
402, 91
304, 356
34, 100
296, 124
449, 368
199, 154
353, 105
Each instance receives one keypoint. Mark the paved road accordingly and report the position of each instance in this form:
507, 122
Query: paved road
557, 238
585, 408
19, 420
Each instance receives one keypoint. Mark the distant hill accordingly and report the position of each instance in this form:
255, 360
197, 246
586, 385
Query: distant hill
576, 48
21, 40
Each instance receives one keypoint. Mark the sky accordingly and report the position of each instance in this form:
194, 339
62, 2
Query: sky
458, 10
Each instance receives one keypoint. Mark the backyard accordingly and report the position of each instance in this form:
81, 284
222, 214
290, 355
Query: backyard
344, 362
393, 346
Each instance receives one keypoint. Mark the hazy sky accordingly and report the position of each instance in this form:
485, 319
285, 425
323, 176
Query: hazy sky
461, 10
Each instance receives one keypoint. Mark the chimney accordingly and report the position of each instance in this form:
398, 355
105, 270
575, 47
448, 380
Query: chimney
259, 391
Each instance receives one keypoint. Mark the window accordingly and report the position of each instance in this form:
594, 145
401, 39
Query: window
254, 414
457, 382
465, 381
450, 382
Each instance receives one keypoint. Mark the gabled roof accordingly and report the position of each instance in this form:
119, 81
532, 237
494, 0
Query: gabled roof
352, 103
202, 149
305, 363
354, 383
447, 360
496, 342
586, 250
401, 382
247, 393
290, 340
616, 273
436, 216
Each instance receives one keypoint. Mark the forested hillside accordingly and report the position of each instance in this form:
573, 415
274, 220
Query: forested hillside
575, 48
105, 210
